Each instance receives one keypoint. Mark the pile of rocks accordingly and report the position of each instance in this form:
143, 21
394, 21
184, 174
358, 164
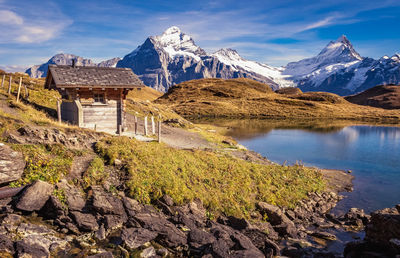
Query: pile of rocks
382, 236
90, 221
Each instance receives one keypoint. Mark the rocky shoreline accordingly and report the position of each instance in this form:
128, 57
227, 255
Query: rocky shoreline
37, 224
63, 220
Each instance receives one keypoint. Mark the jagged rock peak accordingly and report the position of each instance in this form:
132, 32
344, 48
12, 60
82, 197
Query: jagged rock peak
228, 53
342, 47
173, 39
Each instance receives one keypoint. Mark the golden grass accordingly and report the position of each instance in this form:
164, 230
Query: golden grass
225, 184
244, 98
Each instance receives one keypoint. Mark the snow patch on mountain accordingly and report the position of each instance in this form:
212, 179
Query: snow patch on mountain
232, 58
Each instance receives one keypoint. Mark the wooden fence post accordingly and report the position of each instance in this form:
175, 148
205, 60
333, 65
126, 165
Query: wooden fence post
153, 126
2, 81
136, 125
159, 128
9, 85
145, 125
19, 88
26, 92
59, 110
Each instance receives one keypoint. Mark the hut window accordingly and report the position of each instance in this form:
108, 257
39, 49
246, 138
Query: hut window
99, 97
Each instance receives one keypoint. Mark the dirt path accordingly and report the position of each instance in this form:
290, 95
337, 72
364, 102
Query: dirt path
173, 136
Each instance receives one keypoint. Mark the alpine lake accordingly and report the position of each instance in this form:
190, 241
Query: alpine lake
370, 152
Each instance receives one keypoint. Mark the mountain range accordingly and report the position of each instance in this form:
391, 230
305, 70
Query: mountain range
173, 57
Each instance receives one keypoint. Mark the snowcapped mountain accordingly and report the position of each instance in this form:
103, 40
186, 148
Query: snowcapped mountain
338, 68
38, 71
173, 57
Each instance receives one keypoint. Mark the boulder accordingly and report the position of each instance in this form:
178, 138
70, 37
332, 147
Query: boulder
74, 198
200, 239
114, 221
12, 164
53, 208
106, 203
137, 237
35, 196
102, 255
169, 235
25, 248
6, 245
383, 227
281, 223
148, 252
131, 206
85, 221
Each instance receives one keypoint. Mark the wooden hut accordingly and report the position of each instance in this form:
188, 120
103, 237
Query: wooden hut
93, 97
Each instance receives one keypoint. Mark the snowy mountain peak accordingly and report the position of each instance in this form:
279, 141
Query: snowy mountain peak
175, 42
227, 53
340, 50
172, 30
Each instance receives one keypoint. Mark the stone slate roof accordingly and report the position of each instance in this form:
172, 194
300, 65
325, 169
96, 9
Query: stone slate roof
65, 76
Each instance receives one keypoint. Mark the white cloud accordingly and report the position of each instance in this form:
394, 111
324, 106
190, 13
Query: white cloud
17, 29
318, 24
13, 68
9, 17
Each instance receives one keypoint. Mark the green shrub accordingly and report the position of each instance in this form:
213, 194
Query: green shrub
45, 162
95, 174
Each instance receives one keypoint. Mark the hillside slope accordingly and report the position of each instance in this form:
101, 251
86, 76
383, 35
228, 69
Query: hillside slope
384, 96
244, 98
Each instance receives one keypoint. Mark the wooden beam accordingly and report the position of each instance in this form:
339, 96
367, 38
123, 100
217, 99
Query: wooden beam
19, 88
153, 126
59, 110
145, 125
159, 128
136, 124
9, 85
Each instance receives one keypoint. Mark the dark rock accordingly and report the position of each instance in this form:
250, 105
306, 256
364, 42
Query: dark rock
137, 237
114, 221
25, 248
102, 255
356, 217
131, 206
53, 208
169, 235
228, 238
383, 227
148, 252
101, 233
281, 223
261, 241
85, 221
74, 199
191, 215
12, 164
200, 239
233, 222
35, 196
106, 203
323, 235
71, 227
6, 245
167, 200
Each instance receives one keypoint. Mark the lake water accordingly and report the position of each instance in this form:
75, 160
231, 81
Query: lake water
371, 152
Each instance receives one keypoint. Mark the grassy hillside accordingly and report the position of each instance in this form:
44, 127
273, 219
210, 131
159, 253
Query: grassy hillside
244, 98
224, 183
384, 96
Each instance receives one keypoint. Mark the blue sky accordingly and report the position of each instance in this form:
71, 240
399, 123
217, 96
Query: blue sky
272, 32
